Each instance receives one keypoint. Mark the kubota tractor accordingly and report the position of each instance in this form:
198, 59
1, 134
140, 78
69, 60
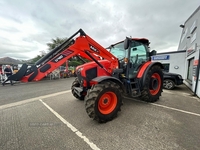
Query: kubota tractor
126, 71
122, 70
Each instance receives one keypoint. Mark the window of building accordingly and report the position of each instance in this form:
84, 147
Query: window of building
193, 37
166, 67
190, 69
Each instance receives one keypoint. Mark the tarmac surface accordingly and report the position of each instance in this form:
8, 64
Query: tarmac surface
45, 115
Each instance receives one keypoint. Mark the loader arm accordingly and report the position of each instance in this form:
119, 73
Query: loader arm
82, 45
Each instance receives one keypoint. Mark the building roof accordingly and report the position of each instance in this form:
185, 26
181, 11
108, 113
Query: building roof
172, 52
193, 13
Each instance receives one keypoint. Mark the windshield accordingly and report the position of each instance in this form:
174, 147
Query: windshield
138, 51
118, 50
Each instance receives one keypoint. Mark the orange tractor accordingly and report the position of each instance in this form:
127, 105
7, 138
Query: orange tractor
123, 70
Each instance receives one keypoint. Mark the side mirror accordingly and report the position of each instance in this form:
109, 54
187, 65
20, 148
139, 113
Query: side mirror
126, 43
153, 52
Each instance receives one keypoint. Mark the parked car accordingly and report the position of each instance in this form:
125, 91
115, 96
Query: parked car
171, 80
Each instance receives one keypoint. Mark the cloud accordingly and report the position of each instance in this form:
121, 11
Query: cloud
28, 25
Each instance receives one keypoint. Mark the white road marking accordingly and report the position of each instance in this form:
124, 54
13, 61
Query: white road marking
171, 108
32, 99
185, 94
196, 98
69, 125
180, 93
167, 91
190, 95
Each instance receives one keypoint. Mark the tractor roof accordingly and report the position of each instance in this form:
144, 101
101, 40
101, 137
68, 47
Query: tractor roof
142, 40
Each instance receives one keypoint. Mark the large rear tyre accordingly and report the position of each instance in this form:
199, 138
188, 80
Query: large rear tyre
76, 84
103, 101
153, 85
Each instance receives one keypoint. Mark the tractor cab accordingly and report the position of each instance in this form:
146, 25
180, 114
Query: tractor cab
131, 54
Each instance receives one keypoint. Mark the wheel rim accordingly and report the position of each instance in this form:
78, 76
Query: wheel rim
155, 84
107, 102
168, 84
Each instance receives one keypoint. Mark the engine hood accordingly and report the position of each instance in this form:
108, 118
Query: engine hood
92, 64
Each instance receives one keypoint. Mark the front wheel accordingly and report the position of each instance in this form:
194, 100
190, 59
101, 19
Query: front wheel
153, 84
103, 101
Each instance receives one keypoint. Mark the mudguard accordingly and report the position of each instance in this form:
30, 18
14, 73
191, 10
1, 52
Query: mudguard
144, 70
105, 78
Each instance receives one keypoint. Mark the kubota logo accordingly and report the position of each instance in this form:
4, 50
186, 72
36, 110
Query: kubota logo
93, 49
58, 58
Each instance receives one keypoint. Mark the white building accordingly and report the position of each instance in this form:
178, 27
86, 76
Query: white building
185, 61
190, 40
173, 62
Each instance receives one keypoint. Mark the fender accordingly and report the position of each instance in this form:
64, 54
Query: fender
104, 78
144, 70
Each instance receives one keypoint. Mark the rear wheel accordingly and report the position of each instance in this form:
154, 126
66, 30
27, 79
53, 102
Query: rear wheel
153, 84
103, 101
168, 84
76, 84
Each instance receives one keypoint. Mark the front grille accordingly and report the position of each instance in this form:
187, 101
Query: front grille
91, 73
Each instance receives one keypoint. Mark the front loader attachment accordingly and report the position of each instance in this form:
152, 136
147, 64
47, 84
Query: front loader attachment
81, 45
46, 64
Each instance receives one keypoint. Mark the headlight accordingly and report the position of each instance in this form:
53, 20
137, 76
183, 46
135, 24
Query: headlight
179, 76
79, 70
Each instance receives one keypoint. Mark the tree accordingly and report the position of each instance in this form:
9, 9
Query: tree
55, 42
35, 59
74, 63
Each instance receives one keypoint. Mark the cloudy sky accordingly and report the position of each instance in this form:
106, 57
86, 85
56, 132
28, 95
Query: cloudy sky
27, 25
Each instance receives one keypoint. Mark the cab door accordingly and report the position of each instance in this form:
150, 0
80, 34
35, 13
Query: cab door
138, 55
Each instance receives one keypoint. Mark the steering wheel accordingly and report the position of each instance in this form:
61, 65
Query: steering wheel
120, 57
136, 59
